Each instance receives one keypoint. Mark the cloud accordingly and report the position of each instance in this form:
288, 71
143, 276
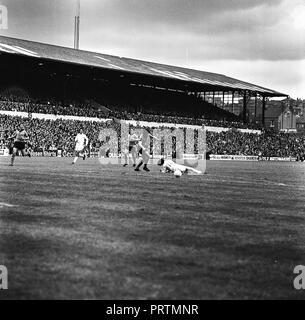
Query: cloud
202, 16
181, 11
247, 30
209, 29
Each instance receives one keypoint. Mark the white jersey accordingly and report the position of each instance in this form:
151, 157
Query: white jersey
171, 166
81, 141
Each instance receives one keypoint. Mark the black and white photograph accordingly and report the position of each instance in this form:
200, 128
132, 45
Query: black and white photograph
152, 151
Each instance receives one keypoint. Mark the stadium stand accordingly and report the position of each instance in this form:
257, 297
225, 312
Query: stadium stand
49, 80
74, 80
136, 104
44, 53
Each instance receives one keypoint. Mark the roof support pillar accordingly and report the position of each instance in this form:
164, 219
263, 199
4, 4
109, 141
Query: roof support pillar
263, 110
255, 107
245, 107
233, 101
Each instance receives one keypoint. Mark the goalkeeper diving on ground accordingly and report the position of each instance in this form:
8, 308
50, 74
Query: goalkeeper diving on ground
169, 166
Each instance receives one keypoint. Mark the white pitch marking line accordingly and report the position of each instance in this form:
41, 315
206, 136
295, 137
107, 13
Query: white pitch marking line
3, 204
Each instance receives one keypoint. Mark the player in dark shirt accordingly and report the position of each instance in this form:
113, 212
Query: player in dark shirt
20, 138
143, 149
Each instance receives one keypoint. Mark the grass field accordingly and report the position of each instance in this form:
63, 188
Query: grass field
92, 231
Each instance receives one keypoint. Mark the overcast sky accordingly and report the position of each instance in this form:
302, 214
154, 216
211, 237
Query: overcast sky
261, 41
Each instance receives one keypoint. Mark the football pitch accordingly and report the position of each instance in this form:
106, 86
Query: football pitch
106, 232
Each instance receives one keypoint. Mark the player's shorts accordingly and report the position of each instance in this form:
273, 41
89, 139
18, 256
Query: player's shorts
19, 145
79, 148
132, 145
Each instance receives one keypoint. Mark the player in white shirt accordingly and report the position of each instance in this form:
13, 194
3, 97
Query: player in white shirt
143, 148
169, 166
81, 142
133, 140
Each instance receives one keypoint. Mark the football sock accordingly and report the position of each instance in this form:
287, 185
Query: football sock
139, 165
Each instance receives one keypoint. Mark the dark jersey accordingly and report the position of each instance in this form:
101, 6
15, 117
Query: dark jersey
20, 136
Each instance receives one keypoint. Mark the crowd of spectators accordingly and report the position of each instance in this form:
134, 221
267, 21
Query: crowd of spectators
60, 134
83, 109
92, 109
161, 118
268, 144
44, 134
